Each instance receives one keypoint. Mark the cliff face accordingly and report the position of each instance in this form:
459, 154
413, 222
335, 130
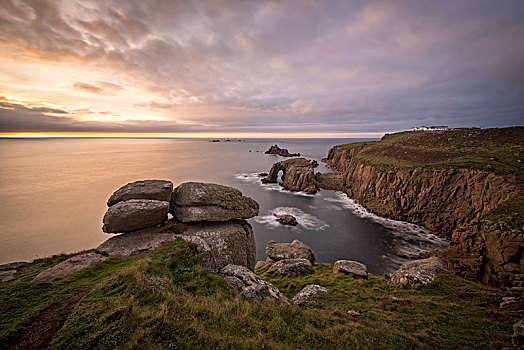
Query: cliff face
446, 201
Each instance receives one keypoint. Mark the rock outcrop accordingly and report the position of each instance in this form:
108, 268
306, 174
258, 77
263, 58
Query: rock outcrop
306, 293
518, 333
250, 285
297, 175
294, 250
287, 219
292, 266
218, 243
159, 190
417, 273
281, 152
197, 202
449, 201
134, 214
487, 252
69, 266
350, 267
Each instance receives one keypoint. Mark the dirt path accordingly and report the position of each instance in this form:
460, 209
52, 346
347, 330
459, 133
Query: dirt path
48, 323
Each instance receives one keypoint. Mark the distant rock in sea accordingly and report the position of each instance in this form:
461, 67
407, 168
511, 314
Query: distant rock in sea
281, 152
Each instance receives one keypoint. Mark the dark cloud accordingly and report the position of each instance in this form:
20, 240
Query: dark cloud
315, 66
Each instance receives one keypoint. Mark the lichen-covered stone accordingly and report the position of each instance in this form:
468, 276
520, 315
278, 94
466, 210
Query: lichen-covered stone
197, 201
217, 243
251, 286
69, 266
159, 190
135, 214
306, 293
294, 250
417, 273
350, 267
294, 266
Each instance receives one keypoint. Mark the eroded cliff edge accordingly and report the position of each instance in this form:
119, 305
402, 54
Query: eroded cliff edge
449, 182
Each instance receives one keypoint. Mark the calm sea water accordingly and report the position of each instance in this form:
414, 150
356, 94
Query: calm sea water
53, 195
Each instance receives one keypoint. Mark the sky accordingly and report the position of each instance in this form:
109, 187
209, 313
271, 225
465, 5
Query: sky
219, 68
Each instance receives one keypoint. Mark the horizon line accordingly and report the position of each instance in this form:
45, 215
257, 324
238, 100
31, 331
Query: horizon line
173, 135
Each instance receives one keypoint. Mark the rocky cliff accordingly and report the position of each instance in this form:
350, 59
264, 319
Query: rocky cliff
387, 178
298, 174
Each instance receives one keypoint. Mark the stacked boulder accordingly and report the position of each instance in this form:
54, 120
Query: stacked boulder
138, 205
209, 215
285, 258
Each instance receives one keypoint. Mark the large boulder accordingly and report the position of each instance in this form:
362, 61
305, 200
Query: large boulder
135, 214
297, 175
197, 201
218, 243
417, 273
287, 219
306, 293
294, 250
350, 267
69, 266
159, 190
294, 266
250, 285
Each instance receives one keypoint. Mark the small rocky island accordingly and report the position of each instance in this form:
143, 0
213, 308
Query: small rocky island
283, 152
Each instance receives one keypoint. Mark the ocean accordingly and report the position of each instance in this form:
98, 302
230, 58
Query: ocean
53, 195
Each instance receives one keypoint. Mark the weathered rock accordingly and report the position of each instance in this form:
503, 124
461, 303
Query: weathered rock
314, 163
294, 250
281, 152
349, 267
487, 253
197, 201
7, 275
251, 286
159, 190
135, 214
297, 175
287, 219
295, 266
354, 313
306, 293
330, 181
262, 264
417, 273
218, 243
69, 266
518, 333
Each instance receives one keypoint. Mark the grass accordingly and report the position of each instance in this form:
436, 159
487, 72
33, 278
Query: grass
167, 300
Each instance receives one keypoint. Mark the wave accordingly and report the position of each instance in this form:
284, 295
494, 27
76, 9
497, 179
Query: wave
408, 239
255, 178
305, 220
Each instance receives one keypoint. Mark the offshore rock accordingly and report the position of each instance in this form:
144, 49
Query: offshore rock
281, 152
134, 214
251, 286
350, 267
297, 175
197, 201
295, 266
159, 190
287, 219
69, 266
294, 250
306, 293
217, 243
417, 273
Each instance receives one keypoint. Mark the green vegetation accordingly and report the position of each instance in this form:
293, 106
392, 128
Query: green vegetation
167, 300
497, 150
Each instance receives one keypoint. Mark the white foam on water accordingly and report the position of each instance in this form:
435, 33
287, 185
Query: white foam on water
305, 220
409, 239
255, 178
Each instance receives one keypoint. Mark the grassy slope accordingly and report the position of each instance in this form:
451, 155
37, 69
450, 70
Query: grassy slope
498, 150
167, 300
